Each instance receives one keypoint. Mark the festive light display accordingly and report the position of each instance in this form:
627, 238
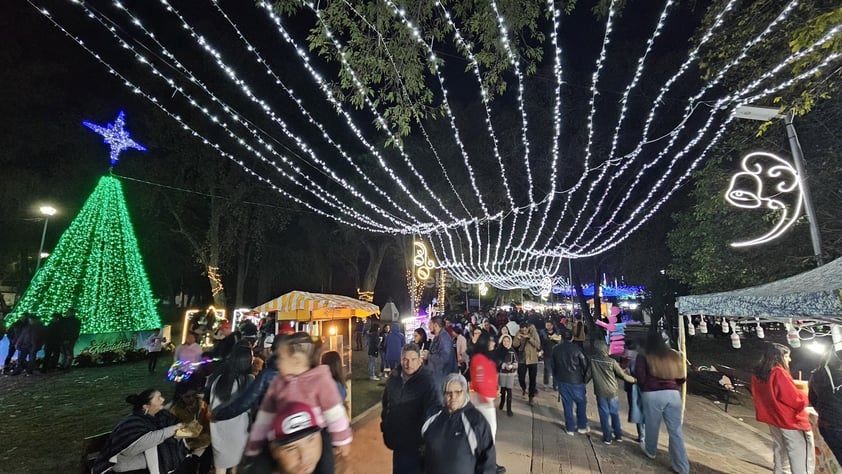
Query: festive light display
423, 264
116, 137
746, 191
97, 269
506, 235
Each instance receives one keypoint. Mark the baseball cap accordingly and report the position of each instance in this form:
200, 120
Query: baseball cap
293, 421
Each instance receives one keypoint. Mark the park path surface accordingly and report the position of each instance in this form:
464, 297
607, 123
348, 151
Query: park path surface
533, 441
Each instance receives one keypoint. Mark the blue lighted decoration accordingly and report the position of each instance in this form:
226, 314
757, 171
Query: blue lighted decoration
116, 136
608, 291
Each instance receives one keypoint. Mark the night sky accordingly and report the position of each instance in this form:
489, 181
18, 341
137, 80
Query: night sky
51, 85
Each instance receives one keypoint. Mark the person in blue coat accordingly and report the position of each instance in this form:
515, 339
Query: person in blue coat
442, 357
394, 343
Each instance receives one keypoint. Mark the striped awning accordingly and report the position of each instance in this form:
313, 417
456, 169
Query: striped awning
304, 306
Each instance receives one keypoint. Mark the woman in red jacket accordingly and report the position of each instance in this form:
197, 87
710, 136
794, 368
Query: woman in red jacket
782, 406
484, 384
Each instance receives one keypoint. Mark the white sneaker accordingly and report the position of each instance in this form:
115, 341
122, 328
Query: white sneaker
582, 431
374, 378
643, 448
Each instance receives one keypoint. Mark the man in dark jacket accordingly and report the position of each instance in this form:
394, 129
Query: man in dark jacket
28, 344
70, 327
458, 438
572, 370
550, 337
826, 397
442, 357
410, 397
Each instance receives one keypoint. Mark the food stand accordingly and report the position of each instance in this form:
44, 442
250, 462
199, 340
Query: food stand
803, 302
323, 315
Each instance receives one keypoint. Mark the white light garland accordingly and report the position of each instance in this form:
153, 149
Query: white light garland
482, 240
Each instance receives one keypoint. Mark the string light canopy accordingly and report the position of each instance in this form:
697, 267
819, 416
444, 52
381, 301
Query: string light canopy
487, 187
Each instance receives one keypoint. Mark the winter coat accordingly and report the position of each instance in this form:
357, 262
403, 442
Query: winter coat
826, 395
778, 403
373, 341
442, 357
570, 365
529, 345
605, 371
459, 443
406, 405
394, 342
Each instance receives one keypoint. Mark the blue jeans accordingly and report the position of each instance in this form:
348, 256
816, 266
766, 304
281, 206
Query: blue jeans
665, 404
570, 394
609, 410
407, 462
548, 368
372, 365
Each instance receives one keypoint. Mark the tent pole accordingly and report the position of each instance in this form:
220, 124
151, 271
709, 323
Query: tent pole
682, 347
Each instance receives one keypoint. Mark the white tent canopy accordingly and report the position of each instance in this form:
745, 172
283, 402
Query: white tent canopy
814, 294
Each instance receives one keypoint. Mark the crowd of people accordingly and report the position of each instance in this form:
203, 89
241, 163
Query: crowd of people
468, 373
278, 409
272, 403
29, 335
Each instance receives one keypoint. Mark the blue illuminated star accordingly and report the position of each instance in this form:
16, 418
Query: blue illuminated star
116, 136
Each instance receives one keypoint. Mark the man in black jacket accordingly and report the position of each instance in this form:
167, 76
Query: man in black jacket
571, 371
410, 397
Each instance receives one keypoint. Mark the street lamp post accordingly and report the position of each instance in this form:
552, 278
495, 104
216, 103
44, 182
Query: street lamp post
768, 113
47, 211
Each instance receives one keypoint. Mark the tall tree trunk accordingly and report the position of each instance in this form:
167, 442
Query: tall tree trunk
376, 252
243, 263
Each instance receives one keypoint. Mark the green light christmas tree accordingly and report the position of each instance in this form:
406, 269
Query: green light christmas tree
96, 266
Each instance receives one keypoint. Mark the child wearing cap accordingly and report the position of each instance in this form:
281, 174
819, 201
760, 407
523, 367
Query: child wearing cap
294, 440
302, 379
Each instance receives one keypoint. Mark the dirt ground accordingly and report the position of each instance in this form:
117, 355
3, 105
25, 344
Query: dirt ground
45, 417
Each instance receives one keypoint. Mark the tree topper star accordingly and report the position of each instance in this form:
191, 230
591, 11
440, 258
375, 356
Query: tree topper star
116, 136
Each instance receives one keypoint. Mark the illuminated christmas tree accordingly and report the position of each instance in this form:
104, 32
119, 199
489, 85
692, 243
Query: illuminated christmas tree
96, 266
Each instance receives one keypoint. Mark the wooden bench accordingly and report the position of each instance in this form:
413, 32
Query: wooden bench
91, 446
708, 382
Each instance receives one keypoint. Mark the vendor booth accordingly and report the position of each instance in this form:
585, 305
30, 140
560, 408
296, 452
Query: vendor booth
807, 303
326, 316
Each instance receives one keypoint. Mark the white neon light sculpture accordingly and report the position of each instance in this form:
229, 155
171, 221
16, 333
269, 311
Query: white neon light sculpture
422, 263
747, 191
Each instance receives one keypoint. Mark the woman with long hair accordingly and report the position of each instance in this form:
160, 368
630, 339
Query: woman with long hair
420, 337
779, 404
228, 437
660, 374
145, 440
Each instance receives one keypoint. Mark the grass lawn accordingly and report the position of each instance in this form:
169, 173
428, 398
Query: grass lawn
45, 417
365, 393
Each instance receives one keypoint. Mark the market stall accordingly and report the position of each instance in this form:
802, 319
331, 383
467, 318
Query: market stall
810, 301
324, 316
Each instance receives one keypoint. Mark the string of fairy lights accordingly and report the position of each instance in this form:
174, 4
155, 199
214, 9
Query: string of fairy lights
530, 205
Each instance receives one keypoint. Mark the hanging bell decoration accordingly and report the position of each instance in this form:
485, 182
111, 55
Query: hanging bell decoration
725, 327
703, 325
792, 336
735, 340
836, 336
691, 330
760, 333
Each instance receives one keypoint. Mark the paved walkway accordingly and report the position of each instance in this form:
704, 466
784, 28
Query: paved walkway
533, 441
